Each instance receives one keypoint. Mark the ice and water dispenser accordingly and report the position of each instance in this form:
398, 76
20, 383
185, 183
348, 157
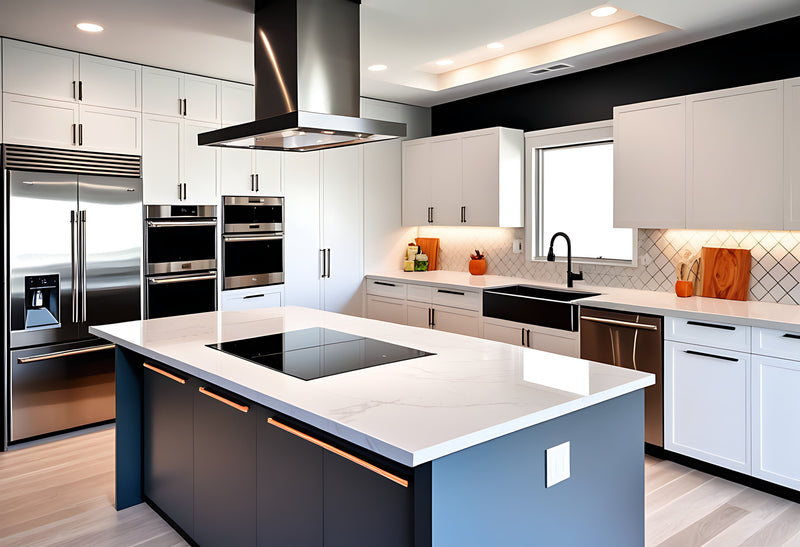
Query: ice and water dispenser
41, 301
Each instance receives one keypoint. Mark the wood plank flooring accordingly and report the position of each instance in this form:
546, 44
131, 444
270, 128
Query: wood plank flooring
62, 493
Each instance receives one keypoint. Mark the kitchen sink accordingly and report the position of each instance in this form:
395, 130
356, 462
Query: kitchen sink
546, 307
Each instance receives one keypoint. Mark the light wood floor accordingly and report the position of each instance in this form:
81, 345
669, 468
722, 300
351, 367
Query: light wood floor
62, 493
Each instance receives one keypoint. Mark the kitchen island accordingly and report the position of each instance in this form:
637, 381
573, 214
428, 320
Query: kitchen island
446, 448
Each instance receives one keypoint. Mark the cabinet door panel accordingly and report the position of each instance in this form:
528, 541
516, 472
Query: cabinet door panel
238, 103
39, 71
479, 184
38, 122
386, 309
236, 169
504, 333
457, 321
161, 144
225, 467
199, 165
202, 99
553, 343
445, 168
162, 92
111, 84
416, 183
111, 130
418, 315
268, 169
168, 445
302, 230
650, 166
791, 143
735, 159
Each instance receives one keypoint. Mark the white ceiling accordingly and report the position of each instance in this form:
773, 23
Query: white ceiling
214, 37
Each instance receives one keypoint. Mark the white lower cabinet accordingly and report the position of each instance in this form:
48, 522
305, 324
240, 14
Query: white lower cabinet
707, 404
532, 336
392, 310
776, 407
252, 298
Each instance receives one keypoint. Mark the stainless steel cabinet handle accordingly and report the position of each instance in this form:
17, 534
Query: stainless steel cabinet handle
792, 336
616, 323
181, 279
234, 239
83, 265
710, 325
73, 221
164, 373
66, 353
383, 473
221, 399
703, 354
179, 223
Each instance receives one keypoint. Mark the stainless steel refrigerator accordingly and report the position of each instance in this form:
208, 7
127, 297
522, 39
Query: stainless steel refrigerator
73, 258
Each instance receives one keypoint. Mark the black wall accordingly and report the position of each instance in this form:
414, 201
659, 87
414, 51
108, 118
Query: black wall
760, 54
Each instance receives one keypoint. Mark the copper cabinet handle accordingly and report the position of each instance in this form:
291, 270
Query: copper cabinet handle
392, 477
67, 353
164, 373
221, 399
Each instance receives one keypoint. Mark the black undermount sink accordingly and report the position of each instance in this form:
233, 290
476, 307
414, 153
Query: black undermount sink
553, 308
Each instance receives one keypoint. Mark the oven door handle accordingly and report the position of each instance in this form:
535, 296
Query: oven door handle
179, 223
180, 278
231, 239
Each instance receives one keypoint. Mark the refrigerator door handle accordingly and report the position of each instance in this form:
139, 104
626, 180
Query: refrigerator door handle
73, 224
83, 265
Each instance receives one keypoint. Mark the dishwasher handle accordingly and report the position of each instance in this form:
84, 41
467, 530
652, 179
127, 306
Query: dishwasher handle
617, 323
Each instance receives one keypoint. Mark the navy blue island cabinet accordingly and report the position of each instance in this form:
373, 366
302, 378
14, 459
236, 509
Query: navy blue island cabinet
224, 470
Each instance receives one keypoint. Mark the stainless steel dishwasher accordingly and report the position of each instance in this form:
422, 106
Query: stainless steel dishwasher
632, 341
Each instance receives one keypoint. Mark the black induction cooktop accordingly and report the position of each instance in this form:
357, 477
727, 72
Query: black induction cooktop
314, 353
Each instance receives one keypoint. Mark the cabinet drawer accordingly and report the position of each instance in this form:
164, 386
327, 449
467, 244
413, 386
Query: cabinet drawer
776, 343
457, 298
251, 298
707, 333
420, 293
392, 289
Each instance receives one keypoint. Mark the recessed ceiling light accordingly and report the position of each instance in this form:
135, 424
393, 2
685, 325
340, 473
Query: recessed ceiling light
495, 45
444, 62
89, 27
377, 68
328, 132
604, 11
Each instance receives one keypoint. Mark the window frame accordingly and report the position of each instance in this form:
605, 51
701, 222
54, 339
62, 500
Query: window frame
560, 137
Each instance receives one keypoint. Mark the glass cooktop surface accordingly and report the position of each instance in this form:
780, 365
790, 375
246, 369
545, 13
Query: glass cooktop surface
316, 352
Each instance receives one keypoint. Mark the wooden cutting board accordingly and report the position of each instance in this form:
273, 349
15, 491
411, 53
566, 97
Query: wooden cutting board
430, 247
725, 273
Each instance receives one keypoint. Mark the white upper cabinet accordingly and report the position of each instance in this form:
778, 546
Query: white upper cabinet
649, 164
464, 179
39, 122
39, 71
734, 158
50, 73
267, 169
110, 130
169, 93
791, 157
199, 165
238, 103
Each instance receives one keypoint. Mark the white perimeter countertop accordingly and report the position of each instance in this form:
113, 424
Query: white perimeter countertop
753, 313
413, 411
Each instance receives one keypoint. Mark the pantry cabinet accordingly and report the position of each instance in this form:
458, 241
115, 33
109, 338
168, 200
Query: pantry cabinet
465, 179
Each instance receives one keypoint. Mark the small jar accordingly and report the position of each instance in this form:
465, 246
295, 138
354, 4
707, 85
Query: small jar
421, 263
408, 266
412, 251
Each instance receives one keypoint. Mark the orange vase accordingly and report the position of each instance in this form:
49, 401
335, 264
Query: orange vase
477, 266
684, 288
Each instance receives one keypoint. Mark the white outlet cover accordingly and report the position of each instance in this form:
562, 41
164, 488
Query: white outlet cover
557, 462
516, 247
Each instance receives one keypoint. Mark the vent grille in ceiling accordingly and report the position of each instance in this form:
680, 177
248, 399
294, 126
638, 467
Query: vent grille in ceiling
551, 68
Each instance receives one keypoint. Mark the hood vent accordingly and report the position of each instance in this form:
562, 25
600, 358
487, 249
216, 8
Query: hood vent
307, 81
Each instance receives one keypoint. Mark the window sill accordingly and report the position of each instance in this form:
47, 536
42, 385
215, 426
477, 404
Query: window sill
588, 261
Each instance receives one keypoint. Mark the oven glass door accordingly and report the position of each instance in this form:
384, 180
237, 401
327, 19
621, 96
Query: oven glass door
174, 246
252, 261
252, 214
181, 294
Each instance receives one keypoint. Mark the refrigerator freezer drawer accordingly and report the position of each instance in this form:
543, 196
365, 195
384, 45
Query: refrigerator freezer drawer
55, 388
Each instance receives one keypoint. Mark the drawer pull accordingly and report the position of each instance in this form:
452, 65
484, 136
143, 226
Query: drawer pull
164, 373
792, 336
342, 453
253, 296
385, 283
445, 291
710, 325
703, 354
221, 399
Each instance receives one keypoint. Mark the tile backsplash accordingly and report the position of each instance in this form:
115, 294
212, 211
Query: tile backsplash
774, 271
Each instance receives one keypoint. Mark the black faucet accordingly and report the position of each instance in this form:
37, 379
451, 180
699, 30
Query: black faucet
551, 257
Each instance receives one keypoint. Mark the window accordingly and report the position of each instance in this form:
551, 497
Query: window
571, 189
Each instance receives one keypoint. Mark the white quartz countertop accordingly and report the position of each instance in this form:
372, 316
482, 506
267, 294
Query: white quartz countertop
413, 411
753, 313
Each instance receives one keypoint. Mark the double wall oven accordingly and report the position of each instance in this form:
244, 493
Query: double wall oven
180, 259
252, 241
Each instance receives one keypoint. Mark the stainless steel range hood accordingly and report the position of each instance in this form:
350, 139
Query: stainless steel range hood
307, 81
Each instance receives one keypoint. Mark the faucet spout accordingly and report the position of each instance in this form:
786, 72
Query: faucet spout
551, 257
